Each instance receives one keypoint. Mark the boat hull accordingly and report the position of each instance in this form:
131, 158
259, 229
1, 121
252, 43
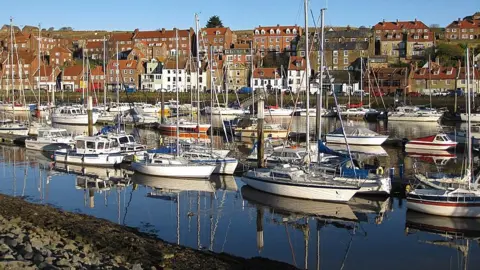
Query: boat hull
174, 171
12, 129
357, 140
447, 209
184, 128
413, 118
81, 119
252, 133
381, 186
429, 146
40, 146
102, 160
474, 117
303, 192
222, 166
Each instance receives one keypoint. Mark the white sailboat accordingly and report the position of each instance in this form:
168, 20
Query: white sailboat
168, 165
72, 115
299, 182
356, 135
414, 114
458, 202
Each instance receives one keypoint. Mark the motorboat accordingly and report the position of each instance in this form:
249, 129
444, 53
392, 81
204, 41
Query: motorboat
356, 135
223, 165
441, 141
118, 107
184, 126
169, 184
48, 136
91, 151
17, 107
72, 115
414, 114
165, 165
312, 112
293, 181
14, 128
148, 109
127, 143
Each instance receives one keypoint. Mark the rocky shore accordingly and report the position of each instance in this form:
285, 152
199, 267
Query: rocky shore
36, 236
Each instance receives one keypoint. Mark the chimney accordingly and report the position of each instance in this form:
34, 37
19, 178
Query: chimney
397, 21
163, 30
383, 20
278, 25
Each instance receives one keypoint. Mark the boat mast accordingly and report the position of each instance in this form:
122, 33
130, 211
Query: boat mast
198, 74
361, 80
118, 89
177, 145
251, 78
104, 76
469, 124
307, 77
211, 96
11, 57
430, 79
318, 120
39, 63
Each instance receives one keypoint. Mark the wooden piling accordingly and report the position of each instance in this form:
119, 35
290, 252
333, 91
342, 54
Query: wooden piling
90, 116
260, 134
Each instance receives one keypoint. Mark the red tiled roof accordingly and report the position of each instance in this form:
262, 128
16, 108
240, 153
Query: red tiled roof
266, 73
44, 71
73, 71
399, 25
94, 45
436, 73
283, 30
464, 24
121, 37
98, 70
241, 46
171, 64
213, 31
160, 34
462, 74
60, 49
297, 63
25, 57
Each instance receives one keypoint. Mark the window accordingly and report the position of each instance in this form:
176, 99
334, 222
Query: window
80, 144
471, 30
101, 145
345, 61
335, 61
90, 145
298, 81
124, 71
447, 82
454, 30
131, 71
464, 30
345, 53
434, 82
448, 29
335, 53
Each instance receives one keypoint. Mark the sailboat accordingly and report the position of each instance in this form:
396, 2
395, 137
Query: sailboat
297, 181
165, 165
8, 126
458, 202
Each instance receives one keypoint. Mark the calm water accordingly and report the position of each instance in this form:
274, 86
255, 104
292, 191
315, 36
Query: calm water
223, 215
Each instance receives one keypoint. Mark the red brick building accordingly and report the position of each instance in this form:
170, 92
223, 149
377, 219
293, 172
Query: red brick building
157, 38
276, 38
60, 56
220, 39
466, 29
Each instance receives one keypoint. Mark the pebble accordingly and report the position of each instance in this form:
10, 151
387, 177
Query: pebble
38, 258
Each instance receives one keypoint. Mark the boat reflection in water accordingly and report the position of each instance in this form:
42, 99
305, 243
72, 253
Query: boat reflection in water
298, 214
455, 233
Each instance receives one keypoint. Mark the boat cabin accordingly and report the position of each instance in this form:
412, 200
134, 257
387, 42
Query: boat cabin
442, 138
52, 133
94, 145
126, 142
288, 155
71, 110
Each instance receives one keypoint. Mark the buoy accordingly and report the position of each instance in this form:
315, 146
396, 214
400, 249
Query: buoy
380, 170
408, 188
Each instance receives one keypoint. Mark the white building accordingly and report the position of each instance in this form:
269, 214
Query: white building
266, 79
296, 80
151, 79
187, 76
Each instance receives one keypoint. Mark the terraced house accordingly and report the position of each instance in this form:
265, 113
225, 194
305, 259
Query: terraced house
467, 28
238, 63
276, 38
436, 78
219, 39
124, 73
160, 37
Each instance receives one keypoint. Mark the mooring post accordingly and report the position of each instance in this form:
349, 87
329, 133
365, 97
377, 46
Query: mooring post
90, 116
260, 134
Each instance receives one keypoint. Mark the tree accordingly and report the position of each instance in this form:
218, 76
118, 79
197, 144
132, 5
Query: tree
51, 29
214, 22
66, 29
434, 25
449, 54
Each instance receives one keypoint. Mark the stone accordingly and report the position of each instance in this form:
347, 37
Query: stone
62, 263
28, 255
11, 242
168, 256
36, 243
19, 257
38, 258
71, 247
7, 257
5, 249
26, 249
49, 260
137, 267
15, 265
76, 258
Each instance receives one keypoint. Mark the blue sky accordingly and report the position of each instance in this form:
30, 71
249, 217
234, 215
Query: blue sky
238, 14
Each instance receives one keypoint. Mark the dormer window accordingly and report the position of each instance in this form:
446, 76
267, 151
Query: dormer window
415, 37
257, 32
449, 72
294, 31
217, 33
278, 31
263, 32
272, 32
204, 33
287, 31
261, 73
436, 72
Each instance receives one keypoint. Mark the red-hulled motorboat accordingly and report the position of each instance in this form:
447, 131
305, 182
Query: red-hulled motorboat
441, 141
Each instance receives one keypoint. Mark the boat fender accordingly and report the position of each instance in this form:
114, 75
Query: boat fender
379, 170
408, 188
404, 141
